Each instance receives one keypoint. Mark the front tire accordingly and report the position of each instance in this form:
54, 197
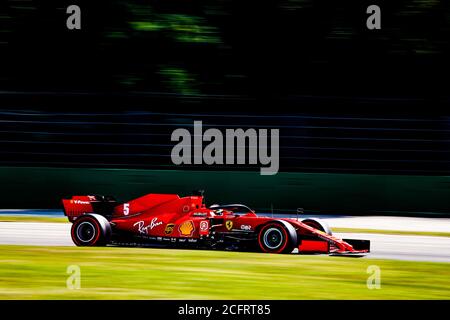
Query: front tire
91, 230
318, 224
275, 238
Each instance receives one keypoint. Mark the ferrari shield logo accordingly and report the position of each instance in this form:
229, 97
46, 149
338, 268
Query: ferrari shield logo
229, 225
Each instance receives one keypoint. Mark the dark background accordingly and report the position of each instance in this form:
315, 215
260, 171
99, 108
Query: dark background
347, 100
225, 47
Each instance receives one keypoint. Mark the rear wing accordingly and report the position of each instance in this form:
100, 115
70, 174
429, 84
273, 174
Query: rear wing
79, 205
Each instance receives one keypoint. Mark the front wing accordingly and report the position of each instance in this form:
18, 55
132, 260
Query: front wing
352, 247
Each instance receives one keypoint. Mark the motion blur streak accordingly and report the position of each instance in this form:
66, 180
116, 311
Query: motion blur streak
397, 247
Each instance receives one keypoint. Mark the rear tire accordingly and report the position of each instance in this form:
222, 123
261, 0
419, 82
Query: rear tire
275, 238
91, 230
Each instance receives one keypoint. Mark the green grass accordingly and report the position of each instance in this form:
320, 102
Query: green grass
28, 272
394, 232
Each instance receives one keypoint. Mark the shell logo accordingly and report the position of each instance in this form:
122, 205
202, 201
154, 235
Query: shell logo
187, 228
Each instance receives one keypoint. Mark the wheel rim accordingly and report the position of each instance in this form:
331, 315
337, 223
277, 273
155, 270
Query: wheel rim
273, 238
86, 231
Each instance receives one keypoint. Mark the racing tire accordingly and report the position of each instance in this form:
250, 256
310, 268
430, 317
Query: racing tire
91, 230
318, 224
275, 237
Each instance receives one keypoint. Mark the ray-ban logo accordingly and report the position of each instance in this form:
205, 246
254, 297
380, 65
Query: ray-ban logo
235, 146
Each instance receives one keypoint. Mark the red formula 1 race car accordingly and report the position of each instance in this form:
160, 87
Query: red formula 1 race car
170, 220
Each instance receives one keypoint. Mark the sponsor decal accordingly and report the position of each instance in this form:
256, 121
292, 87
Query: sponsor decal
144, 229
204, 225
79, 202
229, 225
246, 227
169, 228
192, 240
181, 240
159, 238
187, 228
186, 208
199, 214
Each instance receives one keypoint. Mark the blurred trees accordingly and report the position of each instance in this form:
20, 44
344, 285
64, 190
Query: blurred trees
226, 47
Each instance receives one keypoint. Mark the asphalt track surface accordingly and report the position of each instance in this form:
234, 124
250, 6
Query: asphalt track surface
398, 247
